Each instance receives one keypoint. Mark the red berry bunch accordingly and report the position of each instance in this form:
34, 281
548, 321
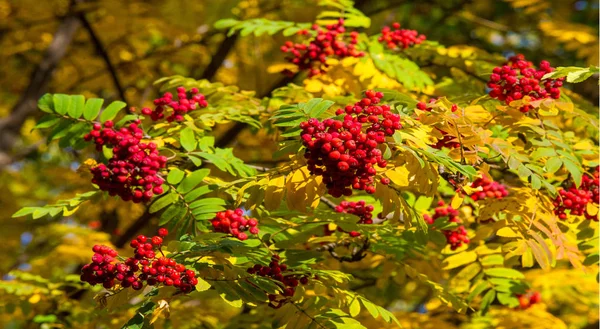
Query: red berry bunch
333, 41
360, 209
102, 269
235, 223
490, 189
576, 200
400, 38
342, 151
180, 106
133, 171
276, 271
528, 299
455, 237
519, 78
144, 266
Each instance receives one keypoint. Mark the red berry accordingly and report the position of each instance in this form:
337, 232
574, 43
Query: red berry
163, 232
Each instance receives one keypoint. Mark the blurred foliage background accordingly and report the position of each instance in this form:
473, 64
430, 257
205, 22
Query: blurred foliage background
116, 49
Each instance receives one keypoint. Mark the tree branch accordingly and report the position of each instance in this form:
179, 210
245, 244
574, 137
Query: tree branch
219, 57
102, 52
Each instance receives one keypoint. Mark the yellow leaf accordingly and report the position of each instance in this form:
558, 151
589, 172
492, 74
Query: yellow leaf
459, 259
202, 285
67, 212
398, 176
540, 256
302, 189
274, 193
477, 114
279, 67
457, 201
592, 209
34, 299
507, 232
162, 306
241, 192
527, 259
313, 85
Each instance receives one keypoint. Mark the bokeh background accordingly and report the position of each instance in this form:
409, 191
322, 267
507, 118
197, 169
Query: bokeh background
116, 49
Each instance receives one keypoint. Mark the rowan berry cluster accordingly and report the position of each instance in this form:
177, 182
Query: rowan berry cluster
333, 41
455, 237
395, 37
235, 223
576, 200
179, 107
360, 209
519, 78
489, 189
276, 271
144, 266
341, 152
528, 299
133, 171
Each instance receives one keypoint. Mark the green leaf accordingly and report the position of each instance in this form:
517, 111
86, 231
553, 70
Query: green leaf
207, 202
504, 273
492, 260
460, 259
61, 103
60, 130
192, 180
173, 211
316, 108
354, 307
46, 103
372, 308
225, 23
92, 108
553, 164
162, 202
487, 300
111, 111
508, 299
574, 169
193, 195
481, 287
536, 182
24, 212
187, 138
589, 260
76, 108
47, 121
175, 176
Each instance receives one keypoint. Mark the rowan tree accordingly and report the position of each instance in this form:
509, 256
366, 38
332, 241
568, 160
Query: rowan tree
385, 180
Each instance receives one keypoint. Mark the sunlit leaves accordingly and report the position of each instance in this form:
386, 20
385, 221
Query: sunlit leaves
259, 26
